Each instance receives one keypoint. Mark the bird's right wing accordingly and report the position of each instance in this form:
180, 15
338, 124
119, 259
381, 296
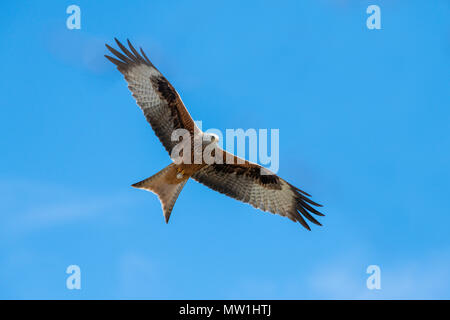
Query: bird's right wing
159, 101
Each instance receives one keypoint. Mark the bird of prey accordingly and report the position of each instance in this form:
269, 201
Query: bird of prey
233, 176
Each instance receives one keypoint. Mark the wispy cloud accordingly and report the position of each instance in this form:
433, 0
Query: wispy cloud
425, 277
344, 277
35, 206
140, 277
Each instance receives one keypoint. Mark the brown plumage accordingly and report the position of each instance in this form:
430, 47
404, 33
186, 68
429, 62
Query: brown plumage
239, 179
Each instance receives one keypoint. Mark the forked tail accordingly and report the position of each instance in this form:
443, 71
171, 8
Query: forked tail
166, 186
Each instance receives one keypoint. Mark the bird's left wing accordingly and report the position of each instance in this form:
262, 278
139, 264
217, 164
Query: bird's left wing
247, 183
160, 102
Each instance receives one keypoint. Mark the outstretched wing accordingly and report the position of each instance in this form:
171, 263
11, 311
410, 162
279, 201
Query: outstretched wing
160, 102
245, 182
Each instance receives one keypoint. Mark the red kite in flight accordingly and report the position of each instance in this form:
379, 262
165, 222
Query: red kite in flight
238, 178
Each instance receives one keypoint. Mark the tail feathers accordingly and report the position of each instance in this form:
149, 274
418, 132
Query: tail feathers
163, 186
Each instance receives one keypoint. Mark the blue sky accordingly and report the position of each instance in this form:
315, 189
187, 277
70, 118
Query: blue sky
363, 118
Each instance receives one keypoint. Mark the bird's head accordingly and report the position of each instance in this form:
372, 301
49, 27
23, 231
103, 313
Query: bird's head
209, 138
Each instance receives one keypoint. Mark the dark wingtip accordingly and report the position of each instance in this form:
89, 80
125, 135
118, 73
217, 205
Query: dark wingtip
118, 42
145, 56
127, 56
317, 204
307, 227
308, 216
304, 204
298, 217
120, 64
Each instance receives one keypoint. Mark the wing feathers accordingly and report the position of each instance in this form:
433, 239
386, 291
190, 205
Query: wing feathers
158, 100
118, 63
268, 193
308, 207
145, 56
119, 55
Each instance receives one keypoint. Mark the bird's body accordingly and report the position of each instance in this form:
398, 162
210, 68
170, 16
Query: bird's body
226, 173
